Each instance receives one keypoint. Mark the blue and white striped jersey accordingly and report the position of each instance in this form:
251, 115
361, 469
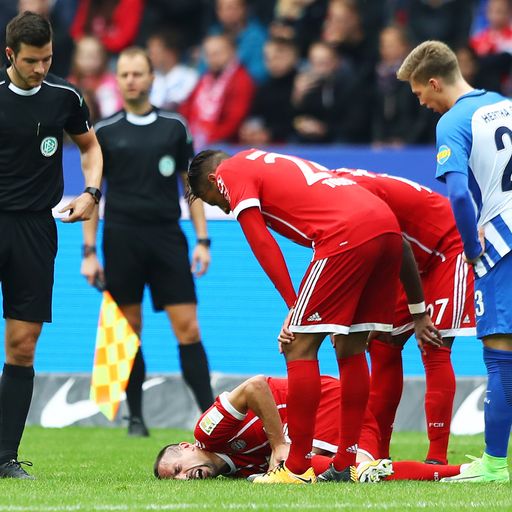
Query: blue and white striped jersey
474, 137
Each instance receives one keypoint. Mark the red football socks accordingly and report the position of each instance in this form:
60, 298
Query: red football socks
438, 400
354, 390
302, 403
385, 393
412, 470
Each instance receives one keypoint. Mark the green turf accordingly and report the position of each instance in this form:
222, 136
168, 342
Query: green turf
104, 470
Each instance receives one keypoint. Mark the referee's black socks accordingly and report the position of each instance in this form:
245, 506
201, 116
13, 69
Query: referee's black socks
16, 387
194, 366
134, 386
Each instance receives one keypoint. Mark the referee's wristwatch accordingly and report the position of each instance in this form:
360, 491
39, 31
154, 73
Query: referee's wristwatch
204, 241
95, 193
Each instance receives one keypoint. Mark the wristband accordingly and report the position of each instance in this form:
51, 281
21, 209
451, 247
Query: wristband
416, 309
95, 193
87, 250
204, 241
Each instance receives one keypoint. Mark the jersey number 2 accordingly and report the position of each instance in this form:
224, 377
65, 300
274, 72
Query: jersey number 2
506, 183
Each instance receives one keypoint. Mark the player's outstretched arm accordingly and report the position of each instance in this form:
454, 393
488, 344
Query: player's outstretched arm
409, 276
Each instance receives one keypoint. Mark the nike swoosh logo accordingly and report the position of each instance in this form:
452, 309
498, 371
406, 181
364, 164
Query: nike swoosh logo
469, 418
305, 480
58, 412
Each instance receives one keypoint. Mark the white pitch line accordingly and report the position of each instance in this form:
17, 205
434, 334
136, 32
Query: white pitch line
251, 506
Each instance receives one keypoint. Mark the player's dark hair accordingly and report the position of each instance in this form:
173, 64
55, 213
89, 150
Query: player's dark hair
201, 165
28, 28
159, 457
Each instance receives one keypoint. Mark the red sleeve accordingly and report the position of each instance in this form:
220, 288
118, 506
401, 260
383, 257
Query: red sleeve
267, 252
125, 24
77, 27
239, 100
218, 425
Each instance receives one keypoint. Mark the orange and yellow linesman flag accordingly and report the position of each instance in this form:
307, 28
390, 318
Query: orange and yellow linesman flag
116, 347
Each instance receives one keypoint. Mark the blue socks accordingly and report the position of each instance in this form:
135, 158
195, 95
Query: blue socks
498, 401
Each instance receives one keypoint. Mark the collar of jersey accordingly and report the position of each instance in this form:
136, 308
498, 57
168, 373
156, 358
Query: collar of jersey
141, 120
474, 92
24, 92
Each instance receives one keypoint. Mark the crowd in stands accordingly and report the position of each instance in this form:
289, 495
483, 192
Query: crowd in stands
277, 71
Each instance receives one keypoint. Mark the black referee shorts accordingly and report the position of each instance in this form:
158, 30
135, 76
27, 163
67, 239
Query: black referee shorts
154, 255
27, 255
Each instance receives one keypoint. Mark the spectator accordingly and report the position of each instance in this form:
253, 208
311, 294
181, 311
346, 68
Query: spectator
330, 105
477, 72
249, 35
114, 22
344, 29
223, 96
397, 117
272, 113
173, 81
62, 42
300, 20
89, 73
445, 20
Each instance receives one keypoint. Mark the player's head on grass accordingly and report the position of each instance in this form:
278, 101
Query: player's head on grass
202, 182
28, 38
186, 461
434, 74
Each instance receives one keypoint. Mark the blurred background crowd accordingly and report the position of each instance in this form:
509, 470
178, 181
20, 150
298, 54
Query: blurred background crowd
259, 72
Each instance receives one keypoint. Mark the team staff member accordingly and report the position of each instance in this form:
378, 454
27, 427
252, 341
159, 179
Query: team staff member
474, 144
243, 433
348, 290
144, 150
35, 109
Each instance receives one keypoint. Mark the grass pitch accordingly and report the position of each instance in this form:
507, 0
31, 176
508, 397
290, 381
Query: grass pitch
94, 469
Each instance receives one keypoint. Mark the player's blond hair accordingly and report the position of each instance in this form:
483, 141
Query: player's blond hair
428, 60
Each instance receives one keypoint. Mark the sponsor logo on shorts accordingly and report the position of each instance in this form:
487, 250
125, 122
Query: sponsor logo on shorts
443, 154
167, 166
238, 444
49, 146
315, 317
210, 420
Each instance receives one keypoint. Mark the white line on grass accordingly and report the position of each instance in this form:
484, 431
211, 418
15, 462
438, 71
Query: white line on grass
248, 506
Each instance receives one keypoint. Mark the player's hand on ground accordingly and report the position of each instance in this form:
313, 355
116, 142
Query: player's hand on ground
426, 332
279, 453
92, 270
81, 208
286, 336
200, 260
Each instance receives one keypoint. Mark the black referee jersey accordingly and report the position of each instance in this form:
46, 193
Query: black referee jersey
142, 157
31, 132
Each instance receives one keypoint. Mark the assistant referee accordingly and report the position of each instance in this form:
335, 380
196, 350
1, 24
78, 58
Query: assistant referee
146, 152
35, 109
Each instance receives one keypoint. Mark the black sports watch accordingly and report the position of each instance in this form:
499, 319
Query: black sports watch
204, 241
95, 193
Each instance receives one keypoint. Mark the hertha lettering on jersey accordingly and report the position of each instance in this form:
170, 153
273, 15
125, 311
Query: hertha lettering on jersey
303, 201
32, 123
475, 138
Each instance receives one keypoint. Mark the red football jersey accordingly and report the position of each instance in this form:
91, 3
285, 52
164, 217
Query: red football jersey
425, 217
239, 439
303, 201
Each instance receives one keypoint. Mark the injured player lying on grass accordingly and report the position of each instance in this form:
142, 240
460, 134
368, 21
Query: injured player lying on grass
244, 433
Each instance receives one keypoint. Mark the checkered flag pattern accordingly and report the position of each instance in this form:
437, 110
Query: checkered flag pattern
116, 347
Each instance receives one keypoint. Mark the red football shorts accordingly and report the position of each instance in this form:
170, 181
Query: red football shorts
353, 291
448, 288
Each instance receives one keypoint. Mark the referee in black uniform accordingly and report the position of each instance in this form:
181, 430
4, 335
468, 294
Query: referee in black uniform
144, 151
35, 109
